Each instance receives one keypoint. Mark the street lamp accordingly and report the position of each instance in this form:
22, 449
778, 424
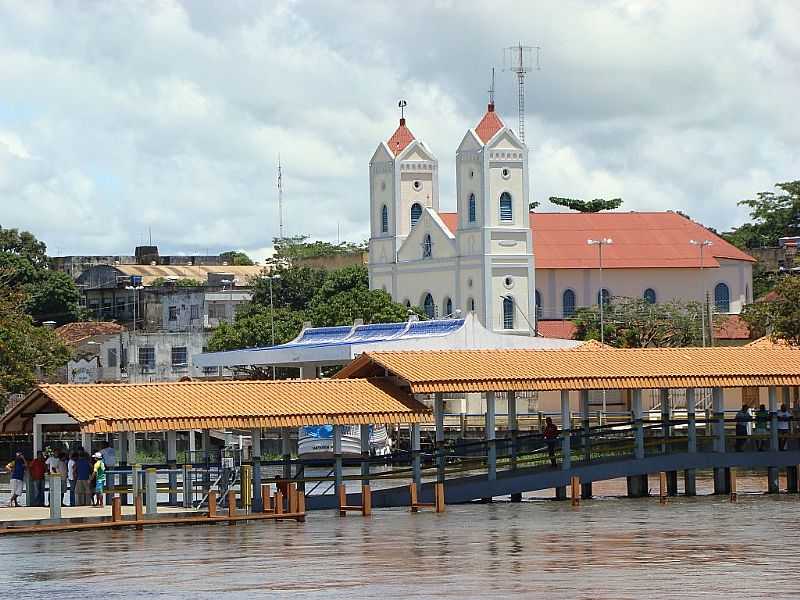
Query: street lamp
135, 301
702, 246
272, 312
600, 243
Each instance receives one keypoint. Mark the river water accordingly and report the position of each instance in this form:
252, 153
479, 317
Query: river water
702, 547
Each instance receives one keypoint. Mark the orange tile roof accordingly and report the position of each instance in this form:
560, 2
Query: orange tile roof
401, 138
489, 125
732, 328
641, 240
74, 333
767, 342
592, 345
498, 370
107, 408
563, 330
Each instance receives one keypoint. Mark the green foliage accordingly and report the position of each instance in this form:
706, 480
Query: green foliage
252, 328
532, 206
292, 287
182, 282
635, 323
44, 294
780, 315
25, 349
587, 206
773, 216
237, 258
296, 247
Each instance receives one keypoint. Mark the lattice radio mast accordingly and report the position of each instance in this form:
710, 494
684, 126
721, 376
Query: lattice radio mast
519, 59
280, 199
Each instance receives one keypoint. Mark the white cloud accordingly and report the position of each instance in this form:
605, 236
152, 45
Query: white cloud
170, 115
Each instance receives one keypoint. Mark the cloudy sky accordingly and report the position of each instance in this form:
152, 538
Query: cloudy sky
119, 117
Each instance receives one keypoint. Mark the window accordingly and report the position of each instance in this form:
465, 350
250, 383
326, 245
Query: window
428, 306
120, 307
448, 307
568, 303
407, 303
216, 310
506, 211
112, 358
384, 219
650, 296
179, 356
605, 295
538, 300
210, 371
722, 298
417, 185
173, 313
147, 358
471, 305
416, 213
471, 208
508, 312
747, 293
505, 173
427, 246
194, 312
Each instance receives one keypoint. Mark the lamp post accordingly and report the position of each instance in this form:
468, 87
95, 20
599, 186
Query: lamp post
136, 289
600, 243
702, 245
272, 313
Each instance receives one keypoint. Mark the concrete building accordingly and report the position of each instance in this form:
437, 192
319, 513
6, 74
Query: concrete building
481, 258
162, 356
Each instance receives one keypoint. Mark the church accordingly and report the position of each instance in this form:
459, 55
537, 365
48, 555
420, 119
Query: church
523, 272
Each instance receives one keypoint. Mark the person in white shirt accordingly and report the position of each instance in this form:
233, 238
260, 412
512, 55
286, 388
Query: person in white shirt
109, 455
72, 476
784, 418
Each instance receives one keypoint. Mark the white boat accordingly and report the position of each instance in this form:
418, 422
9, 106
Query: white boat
317, 441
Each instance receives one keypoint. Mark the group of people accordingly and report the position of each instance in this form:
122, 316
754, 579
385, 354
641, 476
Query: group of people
83, 477
745, 421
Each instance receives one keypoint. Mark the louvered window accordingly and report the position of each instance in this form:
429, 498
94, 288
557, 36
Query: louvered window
506, 211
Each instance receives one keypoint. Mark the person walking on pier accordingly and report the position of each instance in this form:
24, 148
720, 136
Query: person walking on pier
762, 418
99, 476
83, 470
17, 468
551, 438
742, 421
37, 468
784, 419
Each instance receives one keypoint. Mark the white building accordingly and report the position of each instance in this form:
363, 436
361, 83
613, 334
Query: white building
481, 258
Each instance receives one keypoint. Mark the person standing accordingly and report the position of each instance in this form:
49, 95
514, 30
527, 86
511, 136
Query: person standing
72, 477
109, 461
742, 419
784, 421
762, 418
83, 471
61, 469
52, 469
37, 469
551, 438
99, 474
17, 477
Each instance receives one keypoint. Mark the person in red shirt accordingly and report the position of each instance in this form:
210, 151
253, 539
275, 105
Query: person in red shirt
551, 439
37, 468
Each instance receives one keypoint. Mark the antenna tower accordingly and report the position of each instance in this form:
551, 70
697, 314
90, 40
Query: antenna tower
280, 199
519, 59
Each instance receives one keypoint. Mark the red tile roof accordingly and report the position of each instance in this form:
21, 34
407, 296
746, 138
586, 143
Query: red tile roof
401, 138
732, 328
490, 124
641, 240
74, 333
563, 330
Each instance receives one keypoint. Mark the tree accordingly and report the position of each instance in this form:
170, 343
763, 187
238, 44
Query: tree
181, 282
779, 315
252, 328
235, 257
290, 249
587, 206
53, 296
292, 287
635, 323
773, 216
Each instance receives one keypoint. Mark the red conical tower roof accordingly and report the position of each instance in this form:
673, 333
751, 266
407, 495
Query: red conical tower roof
401, 138
490, 124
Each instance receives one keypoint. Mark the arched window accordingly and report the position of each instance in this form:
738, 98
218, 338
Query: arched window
407, 303
747, 293
428, 306
448, 307
416, 213
427, 246
471, 208
722, 297
471, 305
384, 219
538, 300
605, 295
649, 296
508, 312
568, 303
506, 211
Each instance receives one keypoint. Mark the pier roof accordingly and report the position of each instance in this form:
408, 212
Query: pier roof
645, 368
108, 408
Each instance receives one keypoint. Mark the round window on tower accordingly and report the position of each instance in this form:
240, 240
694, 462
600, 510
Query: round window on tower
383, 185
508, 282
506, 174
469, 282
471, 174
417, 185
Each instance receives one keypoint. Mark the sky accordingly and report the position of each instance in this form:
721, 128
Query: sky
123, 120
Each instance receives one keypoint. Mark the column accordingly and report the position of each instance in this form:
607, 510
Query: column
121, 444
511, 401
205, 456
586, 488
637, 484
566, 432
54, 482
337, 456
690, 475
491, 443
86, 442
720, 474
774, 444
151, 491
192, 445
172, 464
416, 466
365, 454
131, 452
255, 452
665, 415
37, 437
438, 415
286, 451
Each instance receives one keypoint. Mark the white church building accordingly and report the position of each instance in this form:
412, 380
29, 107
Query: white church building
518, 270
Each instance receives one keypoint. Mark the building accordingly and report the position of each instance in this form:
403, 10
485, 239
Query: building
512, 267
